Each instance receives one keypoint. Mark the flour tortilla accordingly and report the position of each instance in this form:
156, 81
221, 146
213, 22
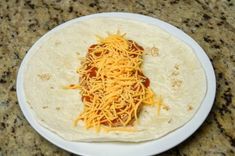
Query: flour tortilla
56, 59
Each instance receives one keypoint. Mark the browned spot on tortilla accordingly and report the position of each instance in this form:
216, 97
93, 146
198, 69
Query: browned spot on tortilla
57, 43
154, 51
165, 107
177, 66
175, 73
190, 108
151, 51
44, 107
57, 108
44, 77
52, 87
176, 83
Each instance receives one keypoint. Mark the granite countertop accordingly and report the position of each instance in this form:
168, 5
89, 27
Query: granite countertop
211, 23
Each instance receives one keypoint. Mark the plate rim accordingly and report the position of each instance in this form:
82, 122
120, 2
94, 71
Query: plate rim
174, 136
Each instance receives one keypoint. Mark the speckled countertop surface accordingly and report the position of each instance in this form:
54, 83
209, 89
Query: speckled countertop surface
211, 23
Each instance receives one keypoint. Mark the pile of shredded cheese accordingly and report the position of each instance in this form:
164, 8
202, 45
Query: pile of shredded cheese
112, 85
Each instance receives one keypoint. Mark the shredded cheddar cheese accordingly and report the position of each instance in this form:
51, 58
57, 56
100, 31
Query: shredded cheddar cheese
112, 85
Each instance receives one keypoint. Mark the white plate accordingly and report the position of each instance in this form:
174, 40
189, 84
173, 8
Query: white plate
146, 148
